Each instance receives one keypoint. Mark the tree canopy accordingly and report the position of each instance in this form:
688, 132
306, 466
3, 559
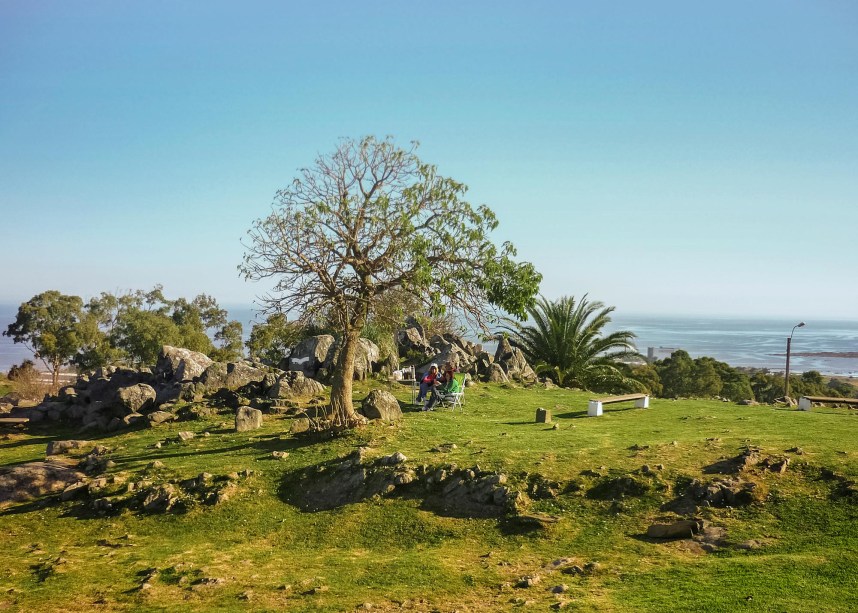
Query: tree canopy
566, 342
369, 218
48, 325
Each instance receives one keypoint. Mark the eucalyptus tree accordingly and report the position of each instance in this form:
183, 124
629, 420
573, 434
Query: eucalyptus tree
49, 325
369, 218
566, 342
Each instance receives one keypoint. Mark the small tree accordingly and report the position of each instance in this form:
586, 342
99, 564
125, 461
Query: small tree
369, 218
48, 325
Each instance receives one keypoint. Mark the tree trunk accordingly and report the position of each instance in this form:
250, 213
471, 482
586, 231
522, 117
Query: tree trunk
343, 412
55, 387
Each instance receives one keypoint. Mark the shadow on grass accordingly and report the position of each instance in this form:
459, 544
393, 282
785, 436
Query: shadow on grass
583, 412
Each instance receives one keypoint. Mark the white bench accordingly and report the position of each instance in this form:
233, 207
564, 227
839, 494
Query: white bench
594, 408
805, 402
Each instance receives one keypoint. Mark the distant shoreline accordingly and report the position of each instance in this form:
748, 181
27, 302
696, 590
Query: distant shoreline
822, 354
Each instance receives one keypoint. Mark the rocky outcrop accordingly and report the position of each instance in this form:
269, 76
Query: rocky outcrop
179, 364
34, 479
380, 404
312, 354
136, 398
110, 399
293, 385
513, 362
446, 489
231, 376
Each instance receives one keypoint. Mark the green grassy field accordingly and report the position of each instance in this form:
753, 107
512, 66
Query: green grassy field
258, 552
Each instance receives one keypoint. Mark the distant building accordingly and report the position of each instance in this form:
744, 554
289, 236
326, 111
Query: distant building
659, 353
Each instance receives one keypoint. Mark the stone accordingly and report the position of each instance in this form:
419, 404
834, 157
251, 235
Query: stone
248, 419
136, 398
381, 404
685, 528
496, 374
34, 479
160, 499
231, 376
185, 435
294, 385
543, 416
178, 364
312, 354
280, 455
513, 362
159, 417
63, 447
299, 425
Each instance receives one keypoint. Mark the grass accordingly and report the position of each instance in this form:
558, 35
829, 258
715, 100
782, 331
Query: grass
390, 552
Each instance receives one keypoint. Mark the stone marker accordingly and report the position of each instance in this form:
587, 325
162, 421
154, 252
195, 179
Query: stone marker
248, 419
543, 416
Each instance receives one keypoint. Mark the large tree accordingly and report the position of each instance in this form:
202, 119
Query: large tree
369, 218
49, 325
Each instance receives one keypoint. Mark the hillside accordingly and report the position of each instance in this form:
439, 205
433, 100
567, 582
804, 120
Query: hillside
590, 488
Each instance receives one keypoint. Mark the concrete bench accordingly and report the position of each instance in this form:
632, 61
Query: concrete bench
805, 402
594, 408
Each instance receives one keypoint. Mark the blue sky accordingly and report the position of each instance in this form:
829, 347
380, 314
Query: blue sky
666, 157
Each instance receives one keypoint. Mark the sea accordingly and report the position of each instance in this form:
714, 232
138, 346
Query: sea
758, 343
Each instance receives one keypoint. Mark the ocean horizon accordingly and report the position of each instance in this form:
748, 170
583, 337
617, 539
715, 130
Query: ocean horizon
745, 342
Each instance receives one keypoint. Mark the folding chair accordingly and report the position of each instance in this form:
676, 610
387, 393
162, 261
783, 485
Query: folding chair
456, 398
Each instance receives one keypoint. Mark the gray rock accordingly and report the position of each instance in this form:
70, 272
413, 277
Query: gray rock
685, 528
178, 364
62, 447
543, 416
34, 479
136, 398
231, 376
381, 404
299, 425
161, 499
185, 435
248, 419
513, 362
312, 354
160, 417
496, 374
294, 385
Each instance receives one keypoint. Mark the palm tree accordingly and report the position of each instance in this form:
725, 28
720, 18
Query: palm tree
565, 343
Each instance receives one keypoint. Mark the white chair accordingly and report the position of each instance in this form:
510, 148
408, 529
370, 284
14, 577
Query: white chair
454, 399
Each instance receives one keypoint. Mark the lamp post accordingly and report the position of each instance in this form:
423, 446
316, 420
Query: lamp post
786, 373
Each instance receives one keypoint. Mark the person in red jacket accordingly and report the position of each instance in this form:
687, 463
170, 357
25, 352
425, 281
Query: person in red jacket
427, 383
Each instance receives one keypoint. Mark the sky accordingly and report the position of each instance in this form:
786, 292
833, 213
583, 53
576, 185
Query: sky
662, 157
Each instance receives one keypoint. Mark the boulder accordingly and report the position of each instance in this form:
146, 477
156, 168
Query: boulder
411, 342
685, 528
381, 404
247, 419
136, 398
293, 384
159, 417
161, 499
232, 376
34, 479
367, 356
513, 362
496, 374
312, 354
178, 364
62, 447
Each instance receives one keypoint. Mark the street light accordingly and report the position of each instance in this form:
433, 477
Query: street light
786, 373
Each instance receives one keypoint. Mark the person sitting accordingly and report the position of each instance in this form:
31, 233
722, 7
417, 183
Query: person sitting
427, 383
445, 384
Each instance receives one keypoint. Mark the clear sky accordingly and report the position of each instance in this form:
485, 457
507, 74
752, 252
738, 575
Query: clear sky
666, 157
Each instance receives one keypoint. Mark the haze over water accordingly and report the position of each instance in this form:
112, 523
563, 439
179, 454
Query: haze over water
759, 343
